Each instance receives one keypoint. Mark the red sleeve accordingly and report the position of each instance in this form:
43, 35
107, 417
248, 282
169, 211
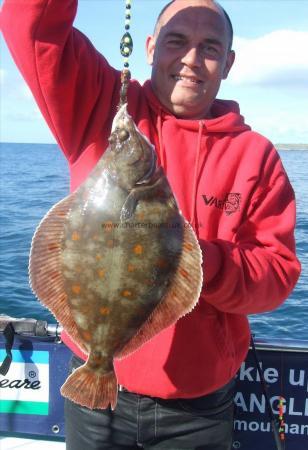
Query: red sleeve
258, 270
72, 83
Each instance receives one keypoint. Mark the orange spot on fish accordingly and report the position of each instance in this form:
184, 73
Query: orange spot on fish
126, 293
188, 246
86, 335
75, 236
110, 243
161, 263
63, 298
140, 216
131, 268
138, 249
98, 257
62, 213
101, 273
76, 288
184, 273
104, 310
54, 275
53, 246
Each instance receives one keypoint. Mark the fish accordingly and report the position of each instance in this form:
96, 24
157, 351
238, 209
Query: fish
115, 261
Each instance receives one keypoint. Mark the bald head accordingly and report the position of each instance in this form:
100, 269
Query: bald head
167, 11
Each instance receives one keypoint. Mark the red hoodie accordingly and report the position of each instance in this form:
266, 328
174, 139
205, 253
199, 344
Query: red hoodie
229, 183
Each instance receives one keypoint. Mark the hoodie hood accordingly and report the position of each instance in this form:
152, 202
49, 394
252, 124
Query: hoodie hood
226, 115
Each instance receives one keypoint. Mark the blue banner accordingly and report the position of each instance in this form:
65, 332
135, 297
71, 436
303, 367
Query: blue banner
286, 377
31, 402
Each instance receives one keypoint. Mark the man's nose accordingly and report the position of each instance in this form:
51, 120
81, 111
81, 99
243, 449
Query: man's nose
192, 57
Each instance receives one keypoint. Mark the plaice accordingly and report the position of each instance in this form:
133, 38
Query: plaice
115, 261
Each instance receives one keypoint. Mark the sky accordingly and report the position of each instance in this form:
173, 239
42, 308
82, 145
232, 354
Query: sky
269, 78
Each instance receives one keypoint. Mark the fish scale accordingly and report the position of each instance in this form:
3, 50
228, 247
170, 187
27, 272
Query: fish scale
115, 261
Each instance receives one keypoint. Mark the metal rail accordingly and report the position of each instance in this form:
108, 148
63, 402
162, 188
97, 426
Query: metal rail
30, 327
278, 345
41, 328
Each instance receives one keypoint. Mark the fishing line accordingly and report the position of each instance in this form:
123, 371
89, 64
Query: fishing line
275, 424
126, 48
281, 403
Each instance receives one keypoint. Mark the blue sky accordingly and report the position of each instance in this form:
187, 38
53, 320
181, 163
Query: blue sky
269, 78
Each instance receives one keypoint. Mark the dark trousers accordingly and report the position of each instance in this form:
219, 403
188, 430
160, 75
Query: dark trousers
151, 423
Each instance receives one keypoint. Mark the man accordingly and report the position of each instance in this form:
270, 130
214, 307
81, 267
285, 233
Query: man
176, 391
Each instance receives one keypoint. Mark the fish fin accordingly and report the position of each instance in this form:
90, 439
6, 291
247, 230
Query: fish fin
91, 389
45, 272
159, 189
181, 297
129, 207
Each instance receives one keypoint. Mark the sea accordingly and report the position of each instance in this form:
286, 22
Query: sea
33, 177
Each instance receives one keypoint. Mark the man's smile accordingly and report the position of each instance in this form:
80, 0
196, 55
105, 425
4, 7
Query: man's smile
187, 79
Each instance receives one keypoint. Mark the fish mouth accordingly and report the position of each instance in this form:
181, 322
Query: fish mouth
120, 119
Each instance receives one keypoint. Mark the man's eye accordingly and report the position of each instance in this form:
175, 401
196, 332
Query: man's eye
211, 50
174, 42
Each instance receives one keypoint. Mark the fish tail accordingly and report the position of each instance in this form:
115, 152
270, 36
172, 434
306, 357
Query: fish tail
91, 389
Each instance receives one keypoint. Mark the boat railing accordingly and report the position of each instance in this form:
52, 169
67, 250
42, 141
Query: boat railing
30, 327
41, 328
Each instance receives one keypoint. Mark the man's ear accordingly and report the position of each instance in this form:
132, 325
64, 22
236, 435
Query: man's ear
229, 64
150, 47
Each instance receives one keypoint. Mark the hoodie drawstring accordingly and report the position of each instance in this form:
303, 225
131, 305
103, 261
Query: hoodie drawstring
193, 203
163, 162
161, 152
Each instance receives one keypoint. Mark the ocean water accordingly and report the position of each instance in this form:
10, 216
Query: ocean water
35, 176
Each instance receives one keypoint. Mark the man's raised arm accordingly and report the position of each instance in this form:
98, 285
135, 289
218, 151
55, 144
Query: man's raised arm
71, 82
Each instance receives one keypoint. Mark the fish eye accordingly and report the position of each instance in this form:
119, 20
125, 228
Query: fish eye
112, 139
123, 135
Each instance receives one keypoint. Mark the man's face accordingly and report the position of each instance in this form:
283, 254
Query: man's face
190, 56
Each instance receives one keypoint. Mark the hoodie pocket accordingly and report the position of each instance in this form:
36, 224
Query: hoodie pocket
218, 323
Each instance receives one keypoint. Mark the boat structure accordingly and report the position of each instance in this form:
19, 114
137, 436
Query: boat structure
271, 400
